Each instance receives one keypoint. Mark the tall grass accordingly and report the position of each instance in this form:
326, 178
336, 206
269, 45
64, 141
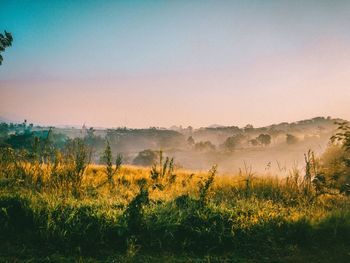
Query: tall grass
72, 208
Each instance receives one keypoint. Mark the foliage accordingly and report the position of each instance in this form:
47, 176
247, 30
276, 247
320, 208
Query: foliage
264, 139
42, 141
228, 222
204, 146
291, 139
146, 157
77, 156
107, 157
204, 186
343, 135
162, 174
134, 212
232, 142
254, 142
335, 168
4, 130
5, 41
190, 141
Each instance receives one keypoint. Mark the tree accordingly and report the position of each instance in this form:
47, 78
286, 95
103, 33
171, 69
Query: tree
24, 140
4, 130
343, 135
107, 158
204, 146
248, 128
274, 133
5, 41
264, 139
146, 157
291, 139
254, 142
335, 161
190, 129
77, 158
232, 142
190, 141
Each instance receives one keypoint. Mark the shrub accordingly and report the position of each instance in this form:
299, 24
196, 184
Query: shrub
335, 168
77, 156
204, 146
204, 186
264, 139
291, 139
146, 158
232, 142
107, 158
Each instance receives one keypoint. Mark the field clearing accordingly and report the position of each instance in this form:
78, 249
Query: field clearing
181, 216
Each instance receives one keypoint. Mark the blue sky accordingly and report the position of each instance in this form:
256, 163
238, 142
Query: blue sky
243, 58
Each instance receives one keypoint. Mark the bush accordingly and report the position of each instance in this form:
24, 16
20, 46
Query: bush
204, 146
264, 139
232, 142
15, 214
334, 166
291, 139
146, 158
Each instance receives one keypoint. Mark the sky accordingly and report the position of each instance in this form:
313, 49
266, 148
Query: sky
162, 63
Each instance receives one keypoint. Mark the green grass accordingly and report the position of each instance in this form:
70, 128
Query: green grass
193, 219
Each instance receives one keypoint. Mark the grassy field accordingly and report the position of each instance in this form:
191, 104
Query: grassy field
167, 215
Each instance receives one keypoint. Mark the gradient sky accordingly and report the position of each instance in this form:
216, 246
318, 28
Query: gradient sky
159, 63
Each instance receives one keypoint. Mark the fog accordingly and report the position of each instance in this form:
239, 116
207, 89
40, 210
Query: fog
231, 148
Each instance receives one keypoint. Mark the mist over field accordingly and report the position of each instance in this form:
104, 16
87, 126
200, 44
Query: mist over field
231, 148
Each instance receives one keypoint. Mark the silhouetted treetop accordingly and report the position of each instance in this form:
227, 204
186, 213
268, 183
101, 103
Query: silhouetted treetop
5, 41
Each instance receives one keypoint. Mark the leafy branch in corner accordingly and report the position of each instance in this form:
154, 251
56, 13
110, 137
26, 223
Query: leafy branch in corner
343, 135
5, 41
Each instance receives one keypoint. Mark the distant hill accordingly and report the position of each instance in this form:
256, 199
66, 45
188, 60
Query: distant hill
227, 146
216, 126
